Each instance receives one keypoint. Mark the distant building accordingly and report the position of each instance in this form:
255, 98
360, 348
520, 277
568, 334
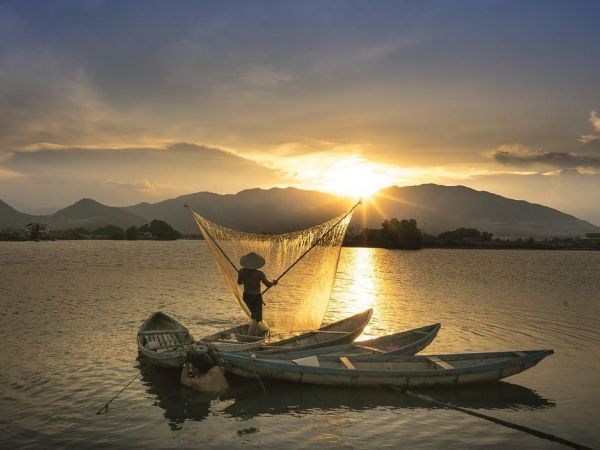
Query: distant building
36, 230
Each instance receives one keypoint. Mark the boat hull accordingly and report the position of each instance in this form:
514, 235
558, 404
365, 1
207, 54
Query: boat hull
479, 373
404, 343
171, 337
337, 333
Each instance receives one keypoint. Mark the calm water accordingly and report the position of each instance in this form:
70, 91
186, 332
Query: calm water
70, 311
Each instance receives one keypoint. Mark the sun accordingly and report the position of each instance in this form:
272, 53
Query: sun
353, 176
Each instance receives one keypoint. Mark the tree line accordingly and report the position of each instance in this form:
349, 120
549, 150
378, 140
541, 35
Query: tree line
155, 230
405, 234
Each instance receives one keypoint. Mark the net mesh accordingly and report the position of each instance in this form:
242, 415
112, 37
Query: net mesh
300, 299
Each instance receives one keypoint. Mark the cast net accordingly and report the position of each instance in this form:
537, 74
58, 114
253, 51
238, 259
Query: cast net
300, 299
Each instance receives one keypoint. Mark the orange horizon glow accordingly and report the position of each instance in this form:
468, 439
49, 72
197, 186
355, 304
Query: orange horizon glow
347, 175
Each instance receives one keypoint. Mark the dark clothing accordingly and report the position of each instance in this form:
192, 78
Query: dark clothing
251, 279
254, 302
201, 361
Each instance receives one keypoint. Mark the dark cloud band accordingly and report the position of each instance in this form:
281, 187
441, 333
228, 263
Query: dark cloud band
561, 160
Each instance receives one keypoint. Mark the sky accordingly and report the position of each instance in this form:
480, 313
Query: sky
136, 101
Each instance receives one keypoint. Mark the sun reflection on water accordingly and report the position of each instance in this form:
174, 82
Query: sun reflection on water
356, 284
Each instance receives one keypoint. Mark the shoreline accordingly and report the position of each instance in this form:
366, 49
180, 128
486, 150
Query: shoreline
508, 246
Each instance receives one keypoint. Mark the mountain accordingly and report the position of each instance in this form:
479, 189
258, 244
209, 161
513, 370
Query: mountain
440, 208
90, 214
257, 210
86, 213
11, 218
436, 208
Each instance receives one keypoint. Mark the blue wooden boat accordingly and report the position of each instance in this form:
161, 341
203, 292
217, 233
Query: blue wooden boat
398, 371
404, 343
236, 340
340, 332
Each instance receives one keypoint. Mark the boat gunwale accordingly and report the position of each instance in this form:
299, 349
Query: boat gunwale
174, 356
361, 319
340, 349
245, 363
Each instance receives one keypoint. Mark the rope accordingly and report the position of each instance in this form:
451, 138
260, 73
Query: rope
514, 426
314, 244
104, 409
212, 239
258, 378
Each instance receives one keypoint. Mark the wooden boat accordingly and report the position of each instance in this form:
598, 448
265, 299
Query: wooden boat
398, 371
337, 333
235, 339
341, 332
162, 340
404, 343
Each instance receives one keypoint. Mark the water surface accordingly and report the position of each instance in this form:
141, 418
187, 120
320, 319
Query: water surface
70, 311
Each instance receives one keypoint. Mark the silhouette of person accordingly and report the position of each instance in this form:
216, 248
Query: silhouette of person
251, 277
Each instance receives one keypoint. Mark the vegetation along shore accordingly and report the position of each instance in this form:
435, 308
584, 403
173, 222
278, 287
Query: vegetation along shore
393, 234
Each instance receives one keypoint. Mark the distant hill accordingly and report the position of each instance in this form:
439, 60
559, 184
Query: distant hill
90, 214
86, 213
436, 208
11, 218
439, 208
257, 210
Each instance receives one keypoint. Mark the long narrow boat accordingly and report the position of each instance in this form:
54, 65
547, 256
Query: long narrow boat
337, 333
399, 371
404, 343
163, 341
341, 332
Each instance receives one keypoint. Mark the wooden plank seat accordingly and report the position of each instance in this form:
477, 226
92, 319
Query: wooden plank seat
440, 364
165, 340
347, 363
366, 347
161, 332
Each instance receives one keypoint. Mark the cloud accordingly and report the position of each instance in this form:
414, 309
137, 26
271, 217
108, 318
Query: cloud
518, 155
137, 185
6, 174
128, 175
595, 135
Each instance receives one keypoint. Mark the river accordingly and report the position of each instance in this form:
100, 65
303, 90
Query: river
70, 311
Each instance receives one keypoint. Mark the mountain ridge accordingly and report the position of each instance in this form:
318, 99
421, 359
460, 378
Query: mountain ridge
436, 208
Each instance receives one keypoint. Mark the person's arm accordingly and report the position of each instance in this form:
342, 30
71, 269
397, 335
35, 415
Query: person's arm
240, 280
266, 282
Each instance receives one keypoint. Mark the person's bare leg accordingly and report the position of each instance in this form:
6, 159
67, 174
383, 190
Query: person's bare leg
252, 328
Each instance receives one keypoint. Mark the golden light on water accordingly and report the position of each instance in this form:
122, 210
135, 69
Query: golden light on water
360, 286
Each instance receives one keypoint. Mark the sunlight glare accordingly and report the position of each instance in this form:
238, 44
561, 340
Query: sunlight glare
350, 175
357, 282
356, 178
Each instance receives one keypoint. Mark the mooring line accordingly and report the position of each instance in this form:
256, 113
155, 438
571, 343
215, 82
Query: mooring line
506, 423
104, 409
257, 377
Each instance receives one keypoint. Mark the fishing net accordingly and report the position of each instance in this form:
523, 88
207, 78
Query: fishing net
300, 299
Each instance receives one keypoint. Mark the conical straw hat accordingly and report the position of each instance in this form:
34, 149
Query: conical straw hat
252, 261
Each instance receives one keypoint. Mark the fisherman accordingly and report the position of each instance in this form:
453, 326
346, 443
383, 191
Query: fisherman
251, 277
201, 374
